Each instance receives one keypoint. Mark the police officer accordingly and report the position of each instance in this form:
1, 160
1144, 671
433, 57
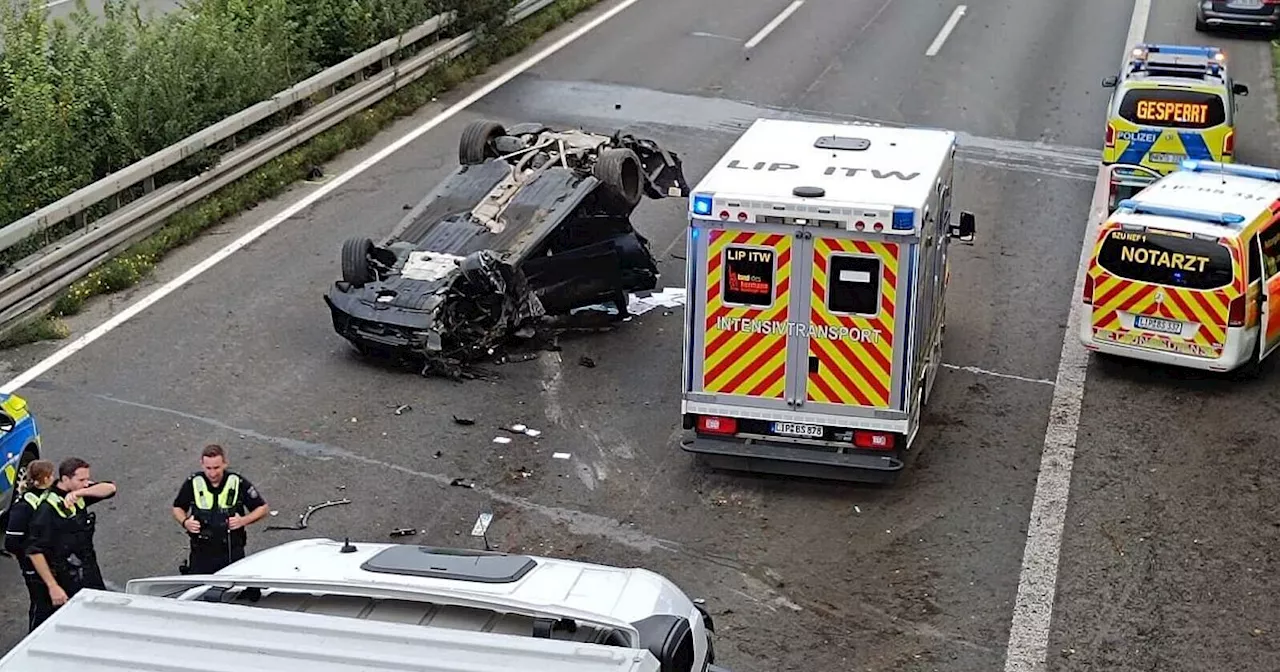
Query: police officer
215, 506
35, 484
60, 538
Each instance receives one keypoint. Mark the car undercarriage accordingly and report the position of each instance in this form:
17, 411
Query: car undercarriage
534, 223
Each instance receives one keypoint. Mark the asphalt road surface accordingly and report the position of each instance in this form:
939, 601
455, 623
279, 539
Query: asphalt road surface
1171, 523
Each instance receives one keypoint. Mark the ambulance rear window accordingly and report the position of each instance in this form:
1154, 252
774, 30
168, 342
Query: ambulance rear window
1173, 108
1166, 259
853, 285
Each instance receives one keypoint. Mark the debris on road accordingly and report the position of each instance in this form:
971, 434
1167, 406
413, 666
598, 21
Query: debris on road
402, 408
463, 421
437, 454
306, 515
403, 532
501, 439
560, 456
463, 483
587, 362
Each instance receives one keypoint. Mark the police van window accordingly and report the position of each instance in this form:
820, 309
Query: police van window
1173, 108
748, 275
1166, 259
853, 285
1270, 239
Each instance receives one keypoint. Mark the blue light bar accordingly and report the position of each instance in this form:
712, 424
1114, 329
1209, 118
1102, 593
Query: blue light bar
904, 219
1180, 213
702, 204
1235, 169
1180, 50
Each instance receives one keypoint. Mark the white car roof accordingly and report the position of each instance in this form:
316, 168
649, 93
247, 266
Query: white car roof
565, 587
1248, 197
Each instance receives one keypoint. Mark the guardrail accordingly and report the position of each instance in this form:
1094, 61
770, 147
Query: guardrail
35, 280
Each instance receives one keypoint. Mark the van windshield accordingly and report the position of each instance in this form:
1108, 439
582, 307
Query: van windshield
1173, 108
1166, 259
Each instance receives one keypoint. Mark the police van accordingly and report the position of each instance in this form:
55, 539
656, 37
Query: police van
816, 281
1187, 271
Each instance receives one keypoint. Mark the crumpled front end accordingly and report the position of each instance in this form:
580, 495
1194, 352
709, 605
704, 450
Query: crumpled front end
448, 323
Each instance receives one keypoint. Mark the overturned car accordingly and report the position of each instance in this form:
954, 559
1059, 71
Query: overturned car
534, 222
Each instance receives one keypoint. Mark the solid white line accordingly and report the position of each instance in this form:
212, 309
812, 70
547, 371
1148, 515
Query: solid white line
943, 34
1037, 585
305, 202
773, 25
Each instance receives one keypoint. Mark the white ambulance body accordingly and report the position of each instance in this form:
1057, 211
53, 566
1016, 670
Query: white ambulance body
817, 272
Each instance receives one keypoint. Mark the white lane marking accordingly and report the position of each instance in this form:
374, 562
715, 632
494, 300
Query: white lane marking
715, 36
772, 25
306, 201
995, 374
943, 34
55, 3
1037, 585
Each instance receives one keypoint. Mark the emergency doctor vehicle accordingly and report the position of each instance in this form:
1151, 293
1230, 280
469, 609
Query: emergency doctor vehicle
816, 279
1187, 271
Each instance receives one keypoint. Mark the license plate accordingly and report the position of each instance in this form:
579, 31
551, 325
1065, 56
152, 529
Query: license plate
797, 429
1157, 324
1245, 4
1161, 157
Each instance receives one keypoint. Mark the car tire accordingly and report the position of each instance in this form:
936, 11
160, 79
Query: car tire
620, 170
355, 261
476, 144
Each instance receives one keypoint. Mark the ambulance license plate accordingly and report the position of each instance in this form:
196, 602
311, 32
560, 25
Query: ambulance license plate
1157, 324
1161, 157
797, 429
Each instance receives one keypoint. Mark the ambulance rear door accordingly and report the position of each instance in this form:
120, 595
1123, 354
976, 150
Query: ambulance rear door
741, 298
859, 290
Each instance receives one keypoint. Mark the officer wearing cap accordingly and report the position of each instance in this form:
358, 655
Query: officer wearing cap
215, 506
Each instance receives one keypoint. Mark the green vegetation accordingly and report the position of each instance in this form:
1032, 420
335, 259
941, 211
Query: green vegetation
101, 97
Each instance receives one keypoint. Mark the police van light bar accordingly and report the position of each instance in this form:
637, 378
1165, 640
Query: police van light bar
1133, 206
904, 219
1235, 169
702, 204
1142, 50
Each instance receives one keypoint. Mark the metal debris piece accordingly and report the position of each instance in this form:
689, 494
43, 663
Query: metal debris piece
402, 408
560, 456
306, 516
463, 421
463, 483
587, 362
403, 532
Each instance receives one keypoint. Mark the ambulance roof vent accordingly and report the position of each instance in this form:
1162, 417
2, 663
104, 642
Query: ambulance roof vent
842, 143
809, 192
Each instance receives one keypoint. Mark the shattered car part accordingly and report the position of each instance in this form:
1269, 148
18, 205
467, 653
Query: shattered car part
306, 515
533, 223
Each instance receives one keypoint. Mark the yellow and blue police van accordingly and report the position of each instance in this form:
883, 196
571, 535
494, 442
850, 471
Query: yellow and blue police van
1187, 271
1170, 103
19, 446
817, 269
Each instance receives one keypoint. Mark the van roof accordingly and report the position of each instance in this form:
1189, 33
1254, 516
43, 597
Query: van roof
851, 163
98, 631
1188, 199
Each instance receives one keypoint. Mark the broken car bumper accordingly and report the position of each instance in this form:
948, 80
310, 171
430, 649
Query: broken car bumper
389, 329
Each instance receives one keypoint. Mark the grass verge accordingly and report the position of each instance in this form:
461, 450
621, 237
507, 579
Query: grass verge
137, 262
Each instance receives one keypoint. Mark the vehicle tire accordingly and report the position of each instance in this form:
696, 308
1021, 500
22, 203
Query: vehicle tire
476, 144
620, 170
355, 261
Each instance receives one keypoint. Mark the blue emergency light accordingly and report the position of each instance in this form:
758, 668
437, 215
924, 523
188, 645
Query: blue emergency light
702, 204
904, 219
1178, 50
1236, 169
1180, 213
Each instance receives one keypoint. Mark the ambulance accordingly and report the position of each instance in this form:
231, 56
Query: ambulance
816, 281
1187, 271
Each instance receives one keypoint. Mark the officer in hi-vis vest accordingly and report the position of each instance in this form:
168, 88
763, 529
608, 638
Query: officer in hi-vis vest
33, 487
215, 506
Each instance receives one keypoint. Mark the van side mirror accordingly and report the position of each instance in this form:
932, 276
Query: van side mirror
1110, 81
965, 229
1240, 89
670, 639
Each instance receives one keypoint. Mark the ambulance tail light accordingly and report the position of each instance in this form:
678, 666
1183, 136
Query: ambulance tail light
1229, 142
716, 424
873, 440
1111, 136
1088, 289
1236, 315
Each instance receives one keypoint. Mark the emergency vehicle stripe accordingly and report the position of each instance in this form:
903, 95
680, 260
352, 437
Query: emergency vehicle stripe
1113, 296
1195, 145
743, 358
10, 475
854, 368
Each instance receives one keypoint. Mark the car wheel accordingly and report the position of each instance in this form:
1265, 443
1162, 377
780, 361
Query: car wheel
476, 144
355, 261
620, 170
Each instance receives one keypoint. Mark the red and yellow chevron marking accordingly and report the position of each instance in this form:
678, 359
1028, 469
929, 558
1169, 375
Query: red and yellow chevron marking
1272, 328
737, 359
1113, 295
851, 371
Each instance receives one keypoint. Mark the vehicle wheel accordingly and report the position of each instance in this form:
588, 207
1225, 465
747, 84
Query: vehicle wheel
476, 144
620, 170
355, 261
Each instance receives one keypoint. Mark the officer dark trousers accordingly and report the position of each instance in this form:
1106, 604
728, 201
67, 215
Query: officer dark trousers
41, 604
